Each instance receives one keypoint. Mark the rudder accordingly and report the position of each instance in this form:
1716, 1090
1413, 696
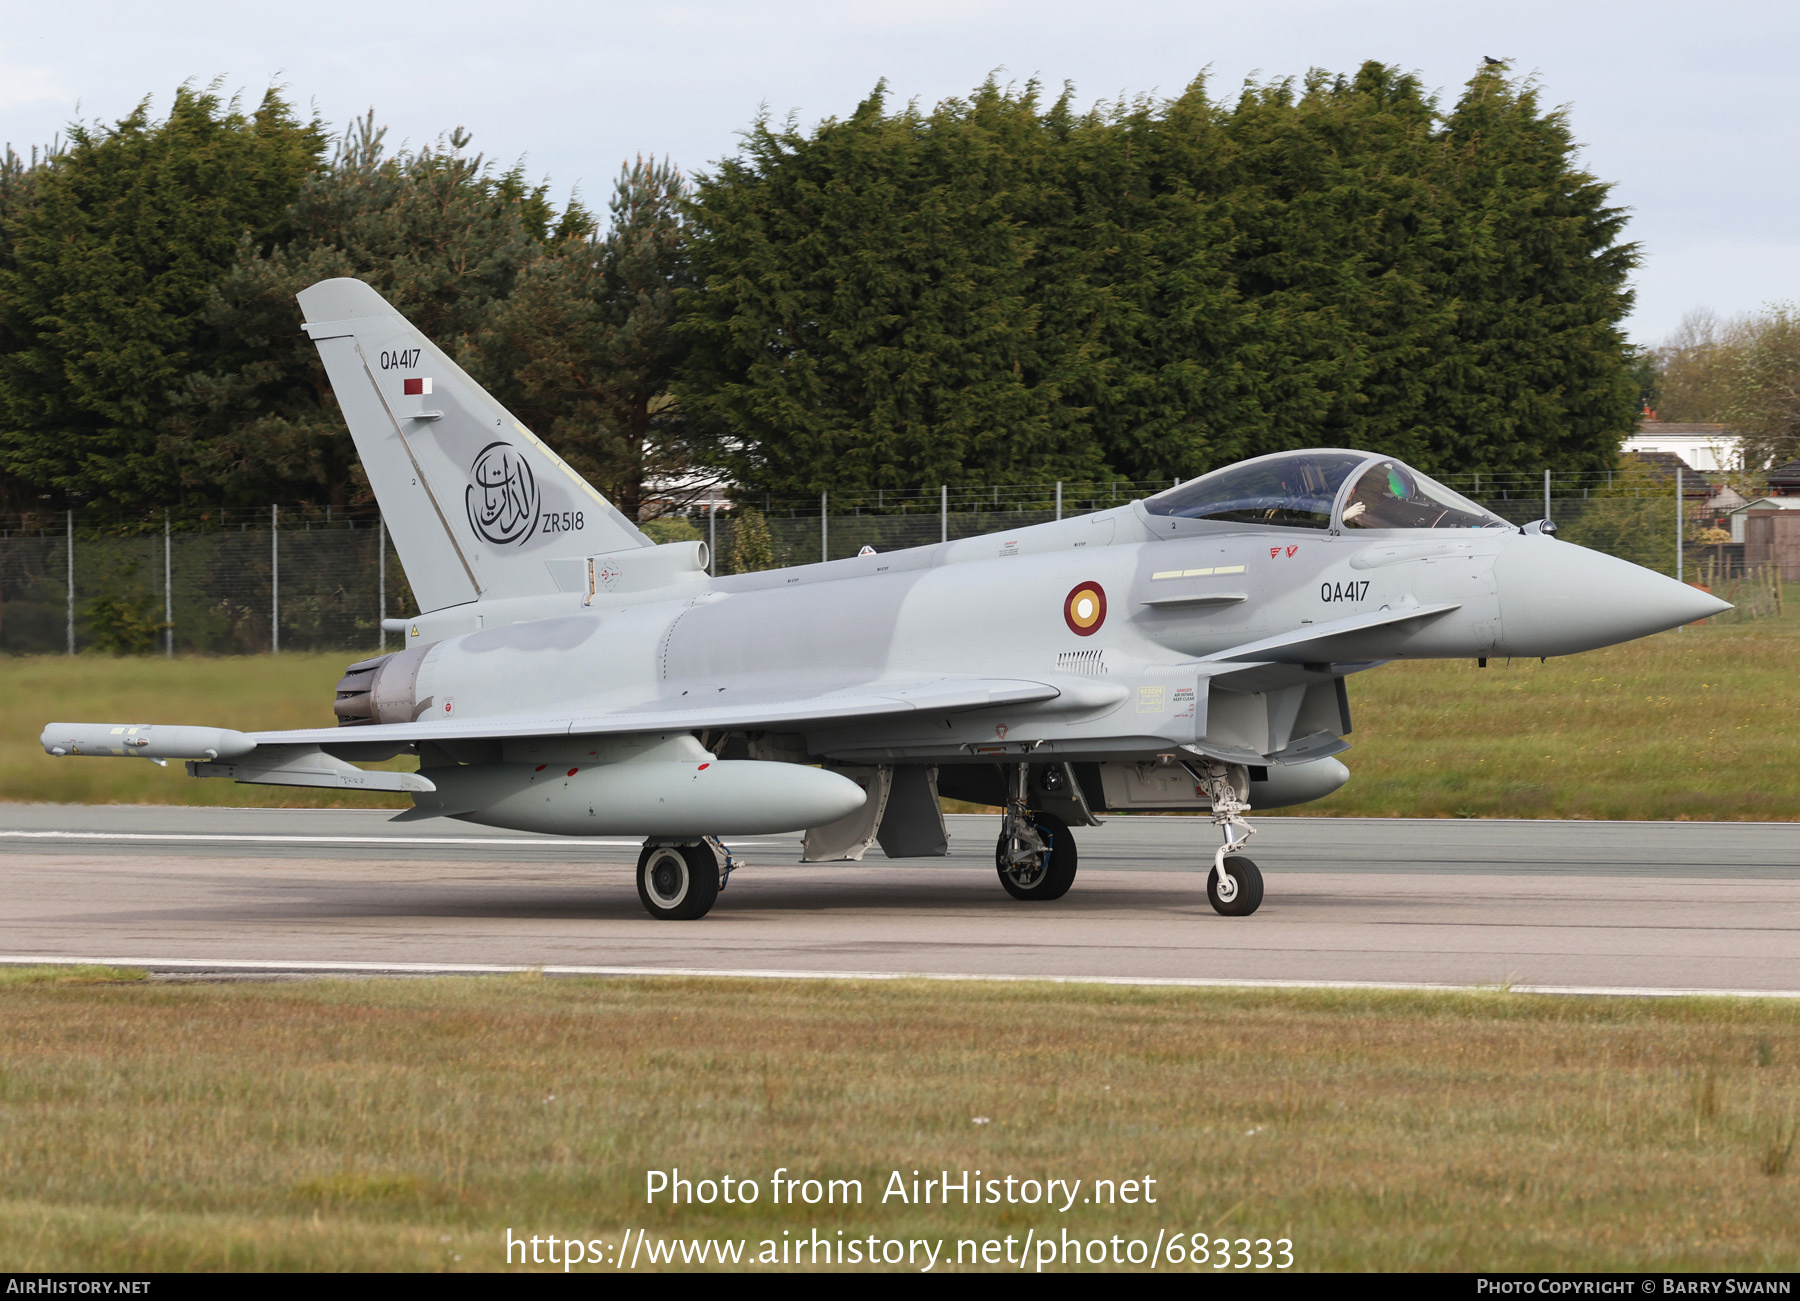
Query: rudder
477, 506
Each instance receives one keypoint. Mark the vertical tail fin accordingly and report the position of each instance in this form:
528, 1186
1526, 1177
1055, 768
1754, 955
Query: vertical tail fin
477, 506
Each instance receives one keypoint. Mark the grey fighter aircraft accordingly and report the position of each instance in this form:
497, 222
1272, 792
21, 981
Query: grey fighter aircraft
1187, 652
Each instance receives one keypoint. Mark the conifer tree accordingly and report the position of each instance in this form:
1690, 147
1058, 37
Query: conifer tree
106, 270
583, 350
435, 230
874, 299
999, 288
1007, 289
1535, 371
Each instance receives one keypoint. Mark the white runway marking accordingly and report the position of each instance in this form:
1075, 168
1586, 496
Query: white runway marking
1196, 982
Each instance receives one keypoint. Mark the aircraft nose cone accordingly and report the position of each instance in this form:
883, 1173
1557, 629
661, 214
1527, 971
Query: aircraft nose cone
1557, 598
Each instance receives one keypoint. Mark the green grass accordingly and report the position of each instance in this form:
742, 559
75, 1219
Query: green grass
79, 974
1698, 724
250, 693
1704, 723
408, 1124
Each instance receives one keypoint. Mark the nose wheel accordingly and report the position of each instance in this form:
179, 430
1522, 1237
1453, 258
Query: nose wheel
1235, 887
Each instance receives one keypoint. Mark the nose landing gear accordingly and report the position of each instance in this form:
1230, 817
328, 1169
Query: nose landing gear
1234, 887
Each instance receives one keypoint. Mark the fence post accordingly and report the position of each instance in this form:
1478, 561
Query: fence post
381, 576
274, 580
1546, 494
1680, 572
1059, 499
824, 528
712, 532
71, 559
168, 590
943, 512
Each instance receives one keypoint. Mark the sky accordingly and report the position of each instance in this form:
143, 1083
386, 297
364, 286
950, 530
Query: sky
1687, 108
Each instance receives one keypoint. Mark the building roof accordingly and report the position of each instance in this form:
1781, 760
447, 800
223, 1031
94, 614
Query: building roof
1725, 497
1675, 427
1705, 448
1664, 464
1786, 474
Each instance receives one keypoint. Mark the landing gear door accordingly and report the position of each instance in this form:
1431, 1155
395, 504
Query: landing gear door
913, 824
1056, 790
850, 837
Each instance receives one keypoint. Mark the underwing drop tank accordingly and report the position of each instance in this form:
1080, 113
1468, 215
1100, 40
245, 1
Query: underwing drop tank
655, 798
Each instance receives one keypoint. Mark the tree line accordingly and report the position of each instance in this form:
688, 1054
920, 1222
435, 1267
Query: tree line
1742, 371
1001, 288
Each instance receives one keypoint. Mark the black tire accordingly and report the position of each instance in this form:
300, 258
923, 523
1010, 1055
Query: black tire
677, 883
1045, 879
1248, 896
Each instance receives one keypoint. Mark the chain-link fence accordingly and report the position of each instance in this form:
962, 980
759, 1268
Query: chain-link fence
236, 582
253, 580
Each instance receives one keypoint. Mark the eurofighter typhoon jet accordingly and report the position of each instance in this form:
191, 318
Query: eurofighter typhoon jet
1187, 652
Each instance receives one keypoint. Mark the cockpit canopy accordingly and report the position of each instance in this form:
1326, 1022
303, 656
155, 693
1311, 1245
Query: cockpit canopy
1321, 489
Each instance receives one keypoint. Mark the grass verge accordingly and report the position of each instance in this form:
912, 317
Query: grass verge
248, 692
1698, 724
410, 1124
77, 974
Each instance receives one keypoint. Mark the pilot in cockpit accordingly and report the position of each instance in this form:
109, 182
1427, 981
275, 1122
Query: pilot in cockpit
1389, 495
1299, 489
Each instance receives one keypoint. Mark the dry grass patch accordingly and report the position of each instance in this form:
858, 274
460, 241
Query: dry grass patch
397, 1124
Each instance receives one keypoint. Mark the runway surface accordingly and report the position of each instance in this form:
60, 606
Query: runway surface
1651, 907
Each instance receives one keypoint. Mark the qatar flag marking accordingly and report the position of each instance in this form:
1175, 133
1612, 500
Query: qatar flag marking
414, 388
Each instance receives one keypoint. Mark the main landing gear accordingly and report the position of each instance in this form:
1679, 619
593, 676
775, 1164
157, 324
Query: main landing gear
1036, 856
1234, 887
1036, 853
682, 882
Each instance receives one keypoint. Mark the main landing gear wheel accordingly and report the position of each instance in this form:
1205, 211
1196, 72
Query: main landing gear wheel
677, 882
1038, 862
1238, 891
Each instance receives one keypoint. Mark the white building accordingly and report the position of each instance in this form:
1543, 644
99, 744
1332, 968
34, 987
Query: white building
1703, 447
